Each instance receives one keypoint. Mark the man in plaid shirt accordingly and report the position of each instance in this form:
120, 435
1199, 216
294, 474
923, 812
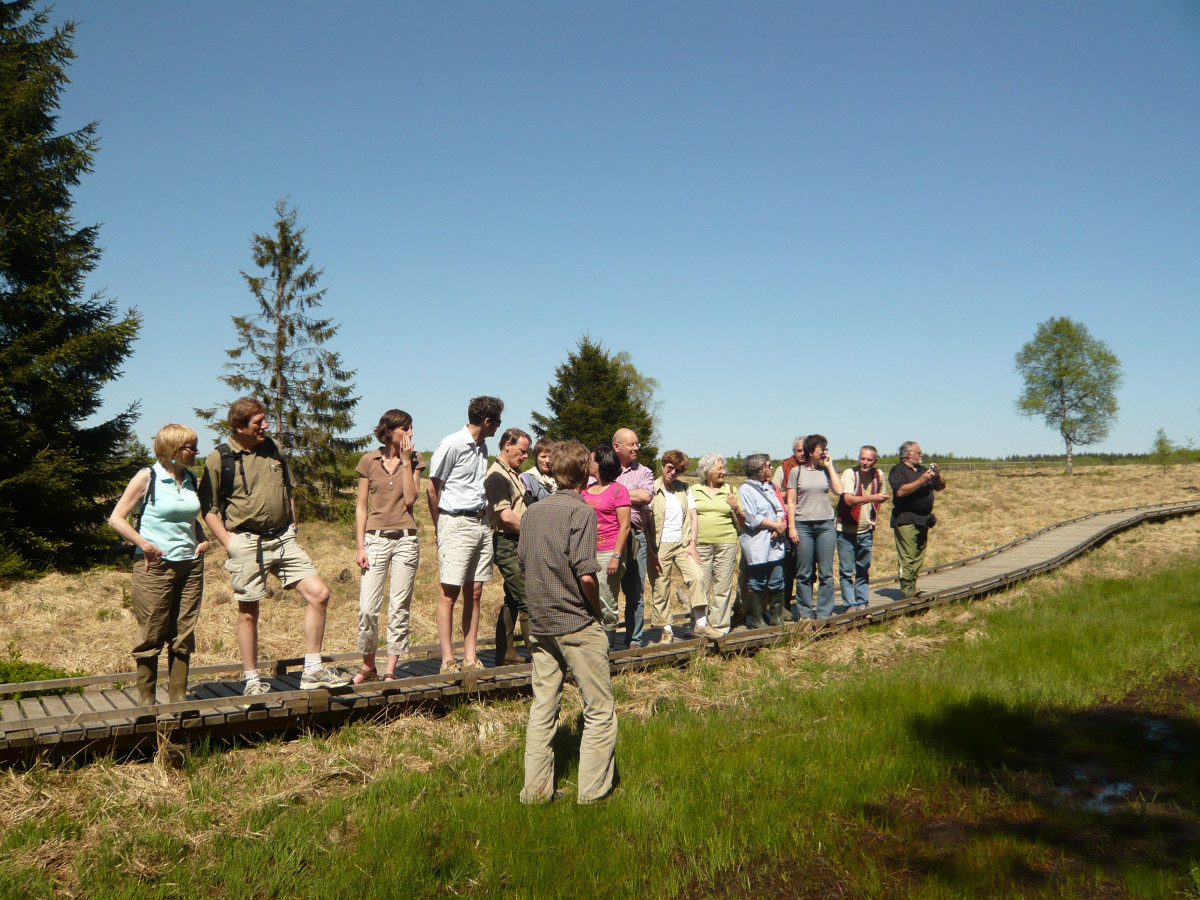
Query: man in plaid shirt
558, 553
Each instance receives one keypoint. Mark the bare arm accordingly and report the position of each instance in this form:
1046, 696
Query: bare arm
835, 481
791, 516
119, 520
623, 526
591, 592
510, 519
639, 497
360, 523
216, 525
433, 494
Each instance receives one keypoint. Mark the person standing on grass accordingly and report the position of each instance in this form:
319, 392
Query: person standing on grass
457, 503
389, 479
913, 486
638, 480
246, 497
558, 551
505, 493
857, 515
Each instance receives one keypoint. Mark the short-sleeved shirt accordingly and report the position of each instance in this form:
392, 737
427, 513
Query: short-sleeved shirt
460, 464
912, 509
868, 515
557, 547
259, 502
387, 510
504, 490
637, 478
605, 505
715, 520
812, 487
169, 520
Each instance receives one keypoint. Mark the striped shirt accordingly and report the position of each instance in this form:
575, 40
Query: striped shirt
558, 545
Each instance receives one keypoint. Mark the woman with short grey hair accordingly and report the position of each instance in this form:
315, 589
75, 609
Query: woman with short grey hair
763, 539
718, 521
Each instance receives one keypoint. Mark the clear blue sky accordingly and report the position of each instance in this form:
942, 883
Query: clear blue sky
800, 216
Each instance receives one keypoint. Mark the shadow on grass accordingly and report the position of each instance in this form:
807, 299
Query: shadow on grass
1044, 792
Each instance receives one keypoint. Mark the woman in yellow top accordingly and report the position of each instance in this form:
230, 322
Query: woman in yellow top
718, 523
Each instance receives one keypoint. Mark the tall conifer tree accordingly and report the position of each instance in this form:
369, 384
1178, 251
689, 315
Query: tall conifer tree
57, 347
282, 359
593, 395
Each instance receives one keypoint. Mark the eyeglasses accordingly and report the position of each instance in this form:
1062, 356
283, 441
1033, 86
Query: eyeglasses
190, 447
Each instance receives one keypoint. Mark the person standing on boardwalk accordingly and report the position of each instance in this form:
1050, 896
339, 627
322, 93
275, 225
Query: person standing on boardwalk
457, 503
913, 486
639, 481
857, 515
558, 551
168, 568
674, 513
505, 491
246, 497
386, 534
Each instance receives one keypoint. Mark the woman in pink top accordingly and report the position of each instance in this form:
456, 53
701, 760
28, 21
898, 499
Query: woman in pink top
610, 500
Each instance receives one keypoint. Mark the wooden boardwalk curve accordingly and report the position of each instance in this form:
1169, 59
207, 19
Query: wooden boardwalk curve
99, 713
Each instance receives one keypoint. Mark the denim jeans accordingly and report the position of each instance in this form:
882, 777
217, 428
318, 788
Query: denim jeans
817, 540
854, 566
633, 583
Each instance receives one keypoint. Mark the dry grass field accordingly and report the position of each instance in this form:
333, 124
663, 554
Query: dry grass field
83, 621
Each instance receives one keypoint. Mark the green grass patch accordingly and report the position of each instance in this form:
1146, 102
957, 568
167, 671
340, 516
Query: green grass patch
1052, 754
15, 670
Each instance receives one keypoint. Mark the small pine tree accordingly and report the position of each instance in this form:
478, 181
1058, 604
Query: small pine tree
592, 396
57, 348
282, 360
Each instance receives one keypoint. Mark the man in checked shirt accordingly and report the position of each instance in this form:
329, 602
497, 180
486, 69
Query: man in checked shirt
558, 552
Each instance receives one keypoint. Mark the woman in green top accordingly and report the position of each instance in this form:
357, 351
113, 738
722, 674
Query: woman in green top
718, 522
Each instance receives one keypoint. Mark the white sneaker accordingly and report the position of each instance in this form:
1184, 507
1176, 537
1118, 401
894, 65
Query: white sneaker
324, 676
256, 689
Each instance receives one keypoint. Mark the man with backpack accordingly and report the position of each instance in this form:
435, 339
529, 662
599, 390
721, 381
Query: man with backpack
246, 498
857, 515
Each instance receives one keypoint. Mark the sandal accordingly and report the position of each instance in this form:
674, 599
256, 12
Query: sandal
390, 676
364, 675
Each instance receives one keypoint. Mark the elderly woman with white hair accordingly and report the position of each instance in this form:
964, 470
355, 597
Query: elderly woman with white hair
168, 573
718, 522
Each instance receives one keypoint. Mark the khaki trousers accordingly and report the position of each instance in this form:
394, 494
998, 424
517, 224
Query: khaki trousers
718, 564
674, 556
165, 600
910, 555
585, 655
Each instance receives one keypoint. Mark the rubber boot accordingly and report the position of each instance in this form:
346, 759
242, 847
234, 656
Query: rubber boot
775, 599
754, 611
178, 677
523, 625
506, 653
147, 679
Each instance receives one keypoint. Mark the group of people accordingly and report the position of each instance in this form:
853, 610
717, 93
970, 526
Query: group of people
570, 536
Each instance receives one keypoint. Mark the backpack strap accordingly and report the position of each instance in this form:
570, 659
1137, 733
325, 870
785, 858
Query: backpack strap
232, 465
147, 497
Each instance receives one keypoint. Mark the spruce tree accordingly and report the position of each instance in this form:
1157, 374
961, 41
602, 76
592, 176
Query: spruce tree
592, 396
58, 348
282, 360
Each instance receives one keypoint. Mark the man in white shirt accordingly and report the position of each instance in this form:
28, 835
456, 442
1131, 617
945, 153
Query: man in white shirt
457, 505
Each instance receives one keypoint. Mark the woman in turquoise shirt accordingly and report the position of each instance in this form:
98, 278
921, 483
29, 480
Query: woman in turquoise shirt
168, 573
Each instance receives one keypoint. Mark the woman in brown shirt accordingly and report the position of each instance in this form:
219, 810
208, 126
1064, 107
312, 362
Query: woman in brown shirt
387, 539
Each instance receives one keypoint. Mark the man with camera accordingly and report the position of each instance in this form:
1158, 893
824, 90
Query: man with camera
913, 487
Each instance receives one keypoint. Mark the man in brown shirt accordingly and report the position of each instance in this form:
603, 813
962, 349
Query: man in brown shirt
558, 550
505, 493
256, 524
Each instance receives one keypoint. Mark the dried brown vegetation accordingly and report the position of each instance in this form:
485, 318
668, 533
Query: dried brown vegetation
81, 622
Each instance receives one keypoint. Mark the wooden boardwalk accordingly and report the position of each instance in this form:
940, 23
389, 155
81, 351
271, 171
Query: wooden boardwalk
99, 713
